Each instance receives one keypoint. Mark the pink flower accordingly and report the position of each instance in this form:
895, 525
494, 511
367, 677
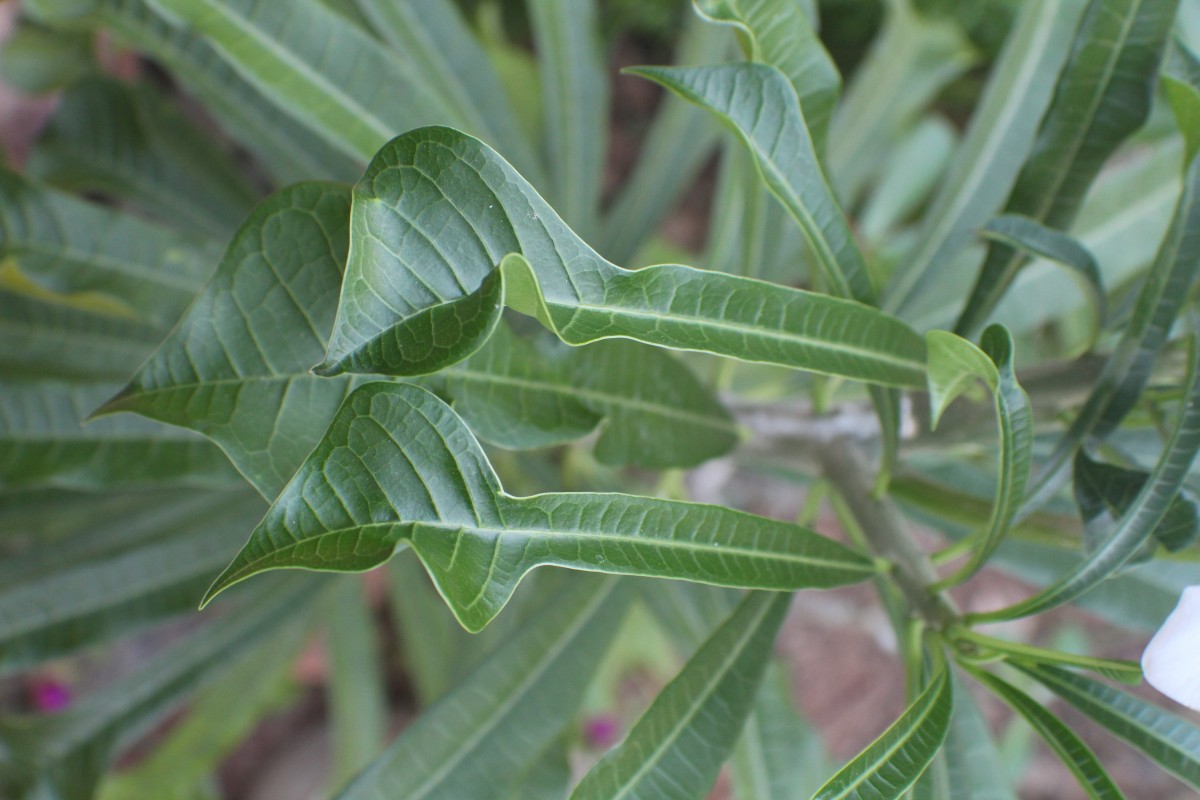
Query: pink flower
601, 731
49, 695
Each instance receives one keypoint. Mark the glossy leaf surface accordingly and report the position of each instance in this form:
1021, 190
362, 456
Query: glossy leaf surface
397, 465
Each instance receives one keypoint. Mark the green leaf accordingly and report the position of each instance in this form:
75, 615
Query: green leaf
42, 443
430, 339
433, 37
974, 766
63, 756
131, 143
894, 761
1170, 740
1070, 749
1181, 85
289, 151
651, 408
1104, 492
1034, 238
70, 246
575, 105
221, 717
953, 364
485, 733
679, 744
980, 646
915, 168
759, 102
398, 465
678, 143
321, 68
36, 59
1144, 515
356, 693
989, 158
778, 755
1103, 95
467, 209
780, 33
909, 63
236, 367
53, 340
114, 578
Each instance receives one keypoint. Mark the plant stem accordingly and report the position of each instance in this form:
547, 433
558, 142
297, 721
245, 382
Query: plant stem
885, 531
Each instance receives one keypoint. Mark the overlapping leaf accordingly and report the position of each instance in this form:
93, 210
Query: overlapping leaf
397, 465
487, 732
43, 442
1103, 95
129, 142
69, 246
679, 744
438, 210
113, 578
782, 34
894, 761
989, 158
1167, 738
237, 367
954, 363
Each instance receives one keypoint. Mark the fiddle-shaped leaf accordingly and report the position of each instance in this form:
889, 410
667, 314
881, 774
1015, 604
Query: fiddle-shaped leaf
954, 364
398, 466
676, 749
437, 211
237, 366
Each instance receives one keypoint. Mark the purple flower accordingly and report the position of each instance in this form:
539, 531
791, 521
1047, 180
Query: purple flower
49, 695
601, 731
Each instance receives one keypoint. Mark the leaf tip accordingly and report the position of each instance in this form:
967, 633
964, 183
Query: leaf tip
328, 369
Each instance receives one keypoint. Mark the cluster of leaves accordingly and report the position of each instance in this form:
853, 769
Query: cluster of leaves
328, 381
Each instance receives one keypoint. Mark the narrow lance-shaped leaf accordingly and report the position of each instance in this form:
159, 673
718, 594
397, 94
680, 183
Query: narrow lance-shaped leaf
438, 210
989, 158
761, 105
41, 338
981, 648
677, 747
70, 246
974, 766
132, 143
782, 34
288, 150
1181, 85
1103, 95
678, 143
894, 761
574, 105
117, 586
1144, 515
320, 67
1104, 493
1029, 235
778, 755
65, 755
954, 363
1166, 738
484, 735
433, 36
1070, 749
397, 465
43, 442
1159, 301
914, 57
